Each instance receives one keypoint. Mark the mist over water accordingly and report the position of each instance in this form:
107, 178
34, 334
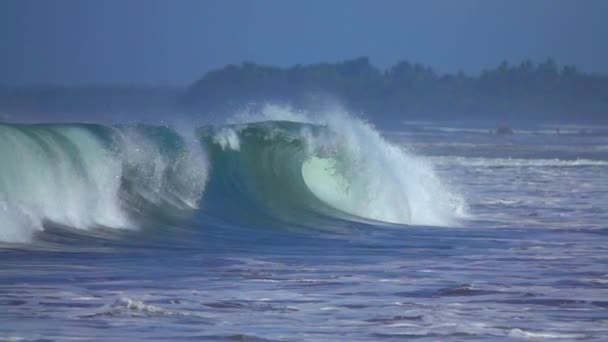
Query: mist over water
274, 171
108, 176
347, 164
283, 224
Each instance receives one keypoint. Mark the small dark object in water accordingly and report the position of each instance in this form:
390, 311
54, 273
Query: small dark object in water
504, 129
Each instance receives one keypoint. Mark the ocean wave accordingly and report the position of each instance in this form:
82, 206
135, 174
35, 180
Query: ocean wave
276, 165
331, 164
88, 176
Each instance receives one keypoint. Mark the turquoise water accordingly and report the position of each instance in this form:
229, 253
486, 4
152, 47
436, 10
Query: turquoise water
323, 230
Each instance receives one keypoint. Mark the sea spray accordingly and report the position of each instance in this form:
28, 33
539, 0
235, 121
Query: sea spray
86, 176
349, 166
264, 169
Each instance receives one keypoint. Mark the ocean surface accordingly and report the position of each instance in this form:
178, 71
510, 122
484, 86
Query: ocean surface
291, 226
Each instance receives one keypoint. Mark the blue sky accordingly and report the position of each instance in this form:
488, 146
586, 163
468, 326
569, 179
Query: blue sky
175, 42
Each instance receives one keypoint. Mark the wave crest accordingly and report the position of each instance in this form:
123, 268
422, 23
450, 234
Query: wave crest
273, 167
87, 176
330, 164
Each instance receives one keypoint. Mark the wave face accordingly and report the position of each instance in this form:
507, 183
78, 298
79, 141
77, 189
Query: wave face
89, 176
330, 164
272, 168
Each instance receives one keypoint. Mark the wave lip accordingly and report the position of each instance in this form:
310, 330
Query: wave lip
334, 166
280, 169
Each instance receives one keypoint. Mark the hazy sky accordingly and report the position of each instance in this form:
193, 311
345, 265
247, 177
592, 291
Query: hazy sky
176, 41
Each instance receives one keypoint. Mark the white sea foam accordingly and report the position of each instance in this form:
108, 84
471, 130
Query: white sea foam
227, 138
62, 175
515, 162
70, 176
520, 333
366, 176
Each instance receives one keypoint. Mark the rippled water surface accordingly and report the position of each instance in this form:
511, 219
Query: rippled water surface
529, 260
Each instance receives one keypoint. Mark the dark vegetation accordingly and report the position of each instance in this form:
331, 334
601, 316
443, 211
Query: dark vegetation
508, 92
530, 91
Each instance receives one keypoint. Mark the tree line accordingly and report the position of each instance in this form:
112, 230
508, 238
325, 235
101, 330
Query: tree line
527, 90
506, 93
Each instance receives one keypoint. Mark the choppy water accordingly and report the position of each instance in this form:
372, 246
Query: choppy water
527, 259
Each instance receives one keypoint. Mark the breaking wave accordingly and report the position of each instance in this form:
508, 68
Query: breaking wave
276, 166
89, 176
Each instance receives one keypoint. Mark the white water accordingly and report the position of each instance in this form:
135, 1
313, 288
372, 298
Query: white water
369, 177
162, 179
66, 175
515, 162
47, 176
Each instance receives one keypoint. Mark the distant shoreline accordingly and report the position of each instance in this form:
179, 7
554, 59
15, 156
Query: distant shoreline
543, 92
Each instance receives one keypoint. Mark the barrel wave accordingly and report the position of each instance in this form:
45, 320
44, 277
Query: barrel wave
262, 171
297, 172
